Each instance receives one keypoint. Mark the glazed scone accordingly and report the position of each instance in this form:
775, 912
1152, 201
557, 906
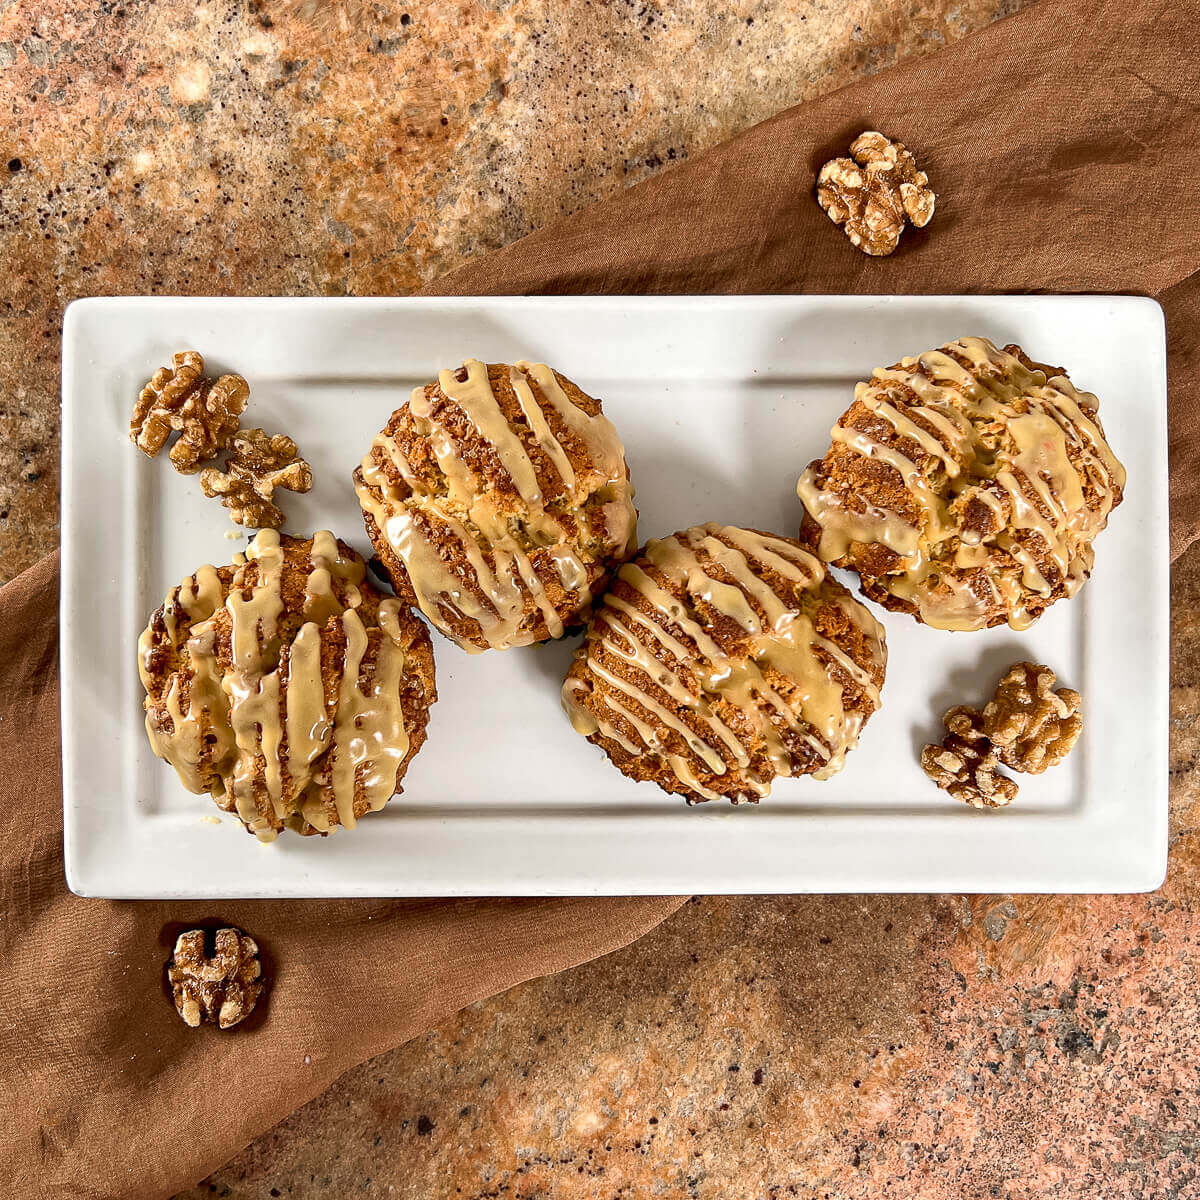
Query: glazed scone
499, 502
965, 486
287, 686
721, 658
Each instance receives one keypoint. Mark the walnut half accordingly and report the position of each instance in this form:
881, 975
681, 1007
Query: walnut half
1026, 725
1031, 725
223, 989
966, 765
181, 398
257, 464
872, 193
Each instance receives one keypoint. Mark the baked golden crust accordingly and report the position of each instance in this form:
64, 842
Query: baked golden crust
721, 658
965, 486
498, 500
287, 686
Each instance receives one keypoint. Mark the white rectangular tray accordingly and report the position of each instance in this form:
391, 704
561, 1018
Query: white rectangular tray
721, 403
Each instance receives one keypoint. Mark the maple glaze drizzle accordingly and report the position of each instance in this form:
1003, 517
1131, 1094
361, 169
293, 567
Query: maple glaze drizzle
1034, 482
263, 724
502, 571
695, 672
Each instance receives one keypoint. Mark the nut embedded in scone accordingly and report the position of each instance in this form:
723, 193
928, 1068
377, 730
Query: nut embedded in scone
498, 500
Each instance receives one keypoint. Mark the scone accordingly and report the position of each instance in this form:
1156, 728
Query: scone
965, 486
287, 686
721, 658
499, 502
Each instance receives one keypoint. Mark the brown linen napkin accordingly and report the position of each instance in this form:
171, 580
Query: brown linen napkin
1059, 142
103, 1090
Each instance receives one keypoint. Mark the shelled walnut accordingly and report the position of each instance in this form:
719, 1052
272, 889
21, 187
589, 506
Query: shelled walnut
1031, 725
257, 464
966, 765
223, 989
181, 398
1026, 725
872, 193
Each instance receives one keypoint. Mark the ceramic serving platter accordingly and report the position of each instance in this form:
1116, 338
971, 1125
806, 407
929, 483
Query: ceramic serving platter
721, 402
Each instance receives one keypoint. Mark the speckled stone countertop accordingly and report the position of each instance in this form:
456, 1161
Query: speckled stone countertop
811, 1047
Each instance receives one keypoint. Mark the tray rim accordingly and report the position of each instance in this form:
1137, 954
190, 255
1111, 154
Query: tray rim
1145, 874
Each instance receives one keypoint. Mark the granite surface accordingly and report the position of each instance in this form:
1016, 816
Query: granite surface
991, 1046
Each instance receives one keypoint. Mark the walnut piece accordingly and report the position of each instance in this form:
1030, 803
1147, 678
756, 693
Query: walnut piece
257, 464
872, 193
1027, 726
204, 412
1031, 725
966, 765
222, 989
